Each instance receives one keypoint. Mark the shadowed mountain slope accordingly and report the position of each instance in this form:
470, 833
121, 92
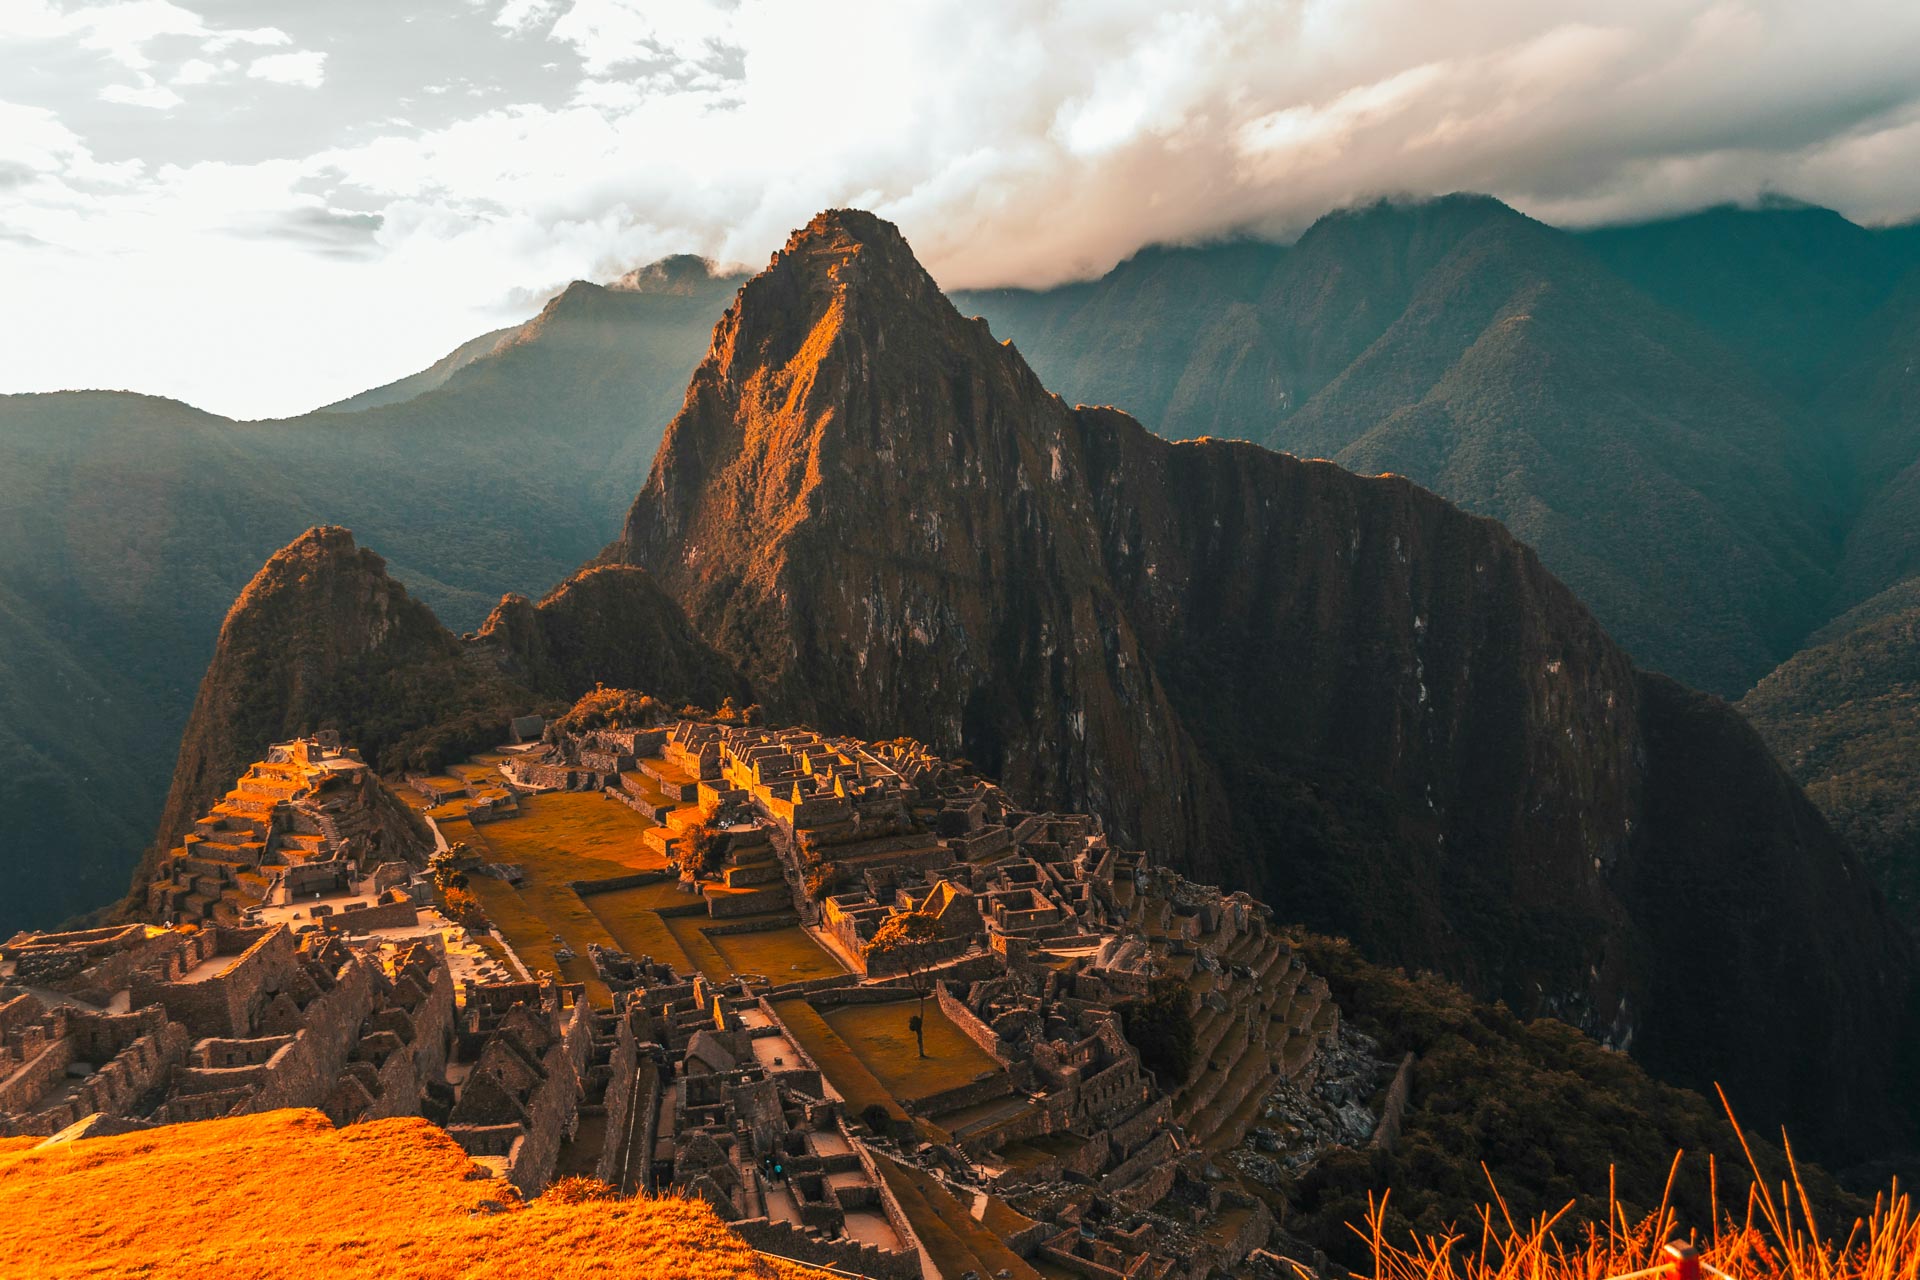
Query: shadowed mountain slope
1501, 363
1342, 694
1844, 716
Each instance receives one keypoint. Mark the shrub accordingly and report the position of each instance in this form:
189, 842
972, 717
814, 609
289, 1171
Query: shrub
1160, 1028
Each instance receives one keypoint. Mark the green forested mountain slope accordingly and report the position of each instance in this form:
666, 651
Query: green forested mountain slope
1844, 716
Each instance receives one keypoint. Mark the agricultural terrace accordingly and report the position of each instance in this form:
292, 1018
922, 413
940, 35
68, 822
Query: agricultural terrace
880, 1036
661, 921
958, 1242
867, 1052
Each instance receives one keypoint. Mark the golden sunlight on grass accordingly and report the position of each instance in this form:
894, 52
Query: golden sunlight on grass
285, 1194
1773, 1235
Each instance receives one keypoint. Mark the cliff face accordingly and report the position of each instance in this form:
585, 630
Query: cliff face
1344, 694
613, 626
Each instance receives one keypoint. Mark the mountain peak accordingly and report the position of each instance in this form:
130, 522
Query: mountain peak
849, 251
680, 275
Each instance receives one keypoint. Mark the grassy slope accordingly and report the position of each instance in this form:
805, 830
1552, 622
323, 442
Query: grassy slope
284, 1194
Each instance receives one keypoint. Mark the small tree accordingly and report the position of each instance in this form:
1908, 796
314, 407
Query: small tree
910, 939
446, 875
703, 850
1160, 1028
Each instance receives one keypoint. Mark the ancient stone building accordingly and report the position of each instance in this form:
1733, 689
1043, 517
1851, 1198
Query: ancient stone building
309, 819
198, 1023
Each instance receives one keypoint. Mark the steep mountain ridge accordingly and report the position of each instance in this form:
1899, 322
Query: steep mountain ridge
1482, 353
1344, 694
129, 523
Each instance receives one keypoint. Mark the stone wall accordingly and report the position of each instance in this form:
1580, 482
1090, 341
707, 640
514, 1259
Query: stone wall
784, 1240
554, 1105
224, 1004
775, 897
302, 1072
970, 1026
1393, 1112
619, 1100
388, 915
997, 1085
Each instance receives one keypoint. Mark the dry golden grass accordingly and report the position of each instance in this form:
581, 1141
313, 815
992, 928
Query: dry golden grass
560, 837
836, 1059
284, 1194
572, 835
787, 954
1773, 1235
633, 918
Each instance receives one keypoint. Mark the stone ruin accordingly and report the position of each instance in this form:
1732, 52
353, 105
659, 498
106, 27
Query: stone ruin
1044, 931
309, 819
160, 1026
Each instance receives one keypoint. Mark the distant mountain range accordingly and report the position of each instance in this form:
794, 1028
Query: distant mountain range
1708, 427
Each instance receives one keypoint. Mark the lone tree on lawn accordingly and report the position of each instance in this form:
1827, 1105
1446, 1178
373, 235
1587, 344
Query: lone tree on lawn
910, 939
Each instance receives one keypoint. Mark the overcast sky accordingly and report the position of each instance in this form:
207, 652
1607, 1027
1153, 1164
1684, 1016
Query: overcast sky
258, 206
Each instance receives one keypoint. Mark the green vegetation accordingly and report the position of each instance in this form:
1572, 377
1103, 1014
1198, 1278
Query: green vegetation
605, 708
1843, 716
1555, 1119
1160, 1026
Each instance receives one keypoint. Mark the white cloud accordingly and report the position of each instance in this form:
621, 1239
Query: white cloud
156, 97
1012, 142
200, 71
609, 33
305, 68
122, 29
525, 15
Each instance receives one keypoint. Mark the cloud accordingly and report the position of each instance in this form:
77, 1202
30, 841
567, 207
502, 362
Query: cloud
305, 68
332, 232
1014, 143
156, 97
122, 30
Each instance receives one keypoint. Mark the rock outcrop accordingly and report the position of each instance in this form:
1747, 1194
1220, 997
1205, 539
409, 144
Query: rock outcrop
1342, 694
611, 625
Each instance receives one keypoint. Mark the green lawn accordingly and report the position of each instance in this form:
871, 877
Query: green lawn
879, 1034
